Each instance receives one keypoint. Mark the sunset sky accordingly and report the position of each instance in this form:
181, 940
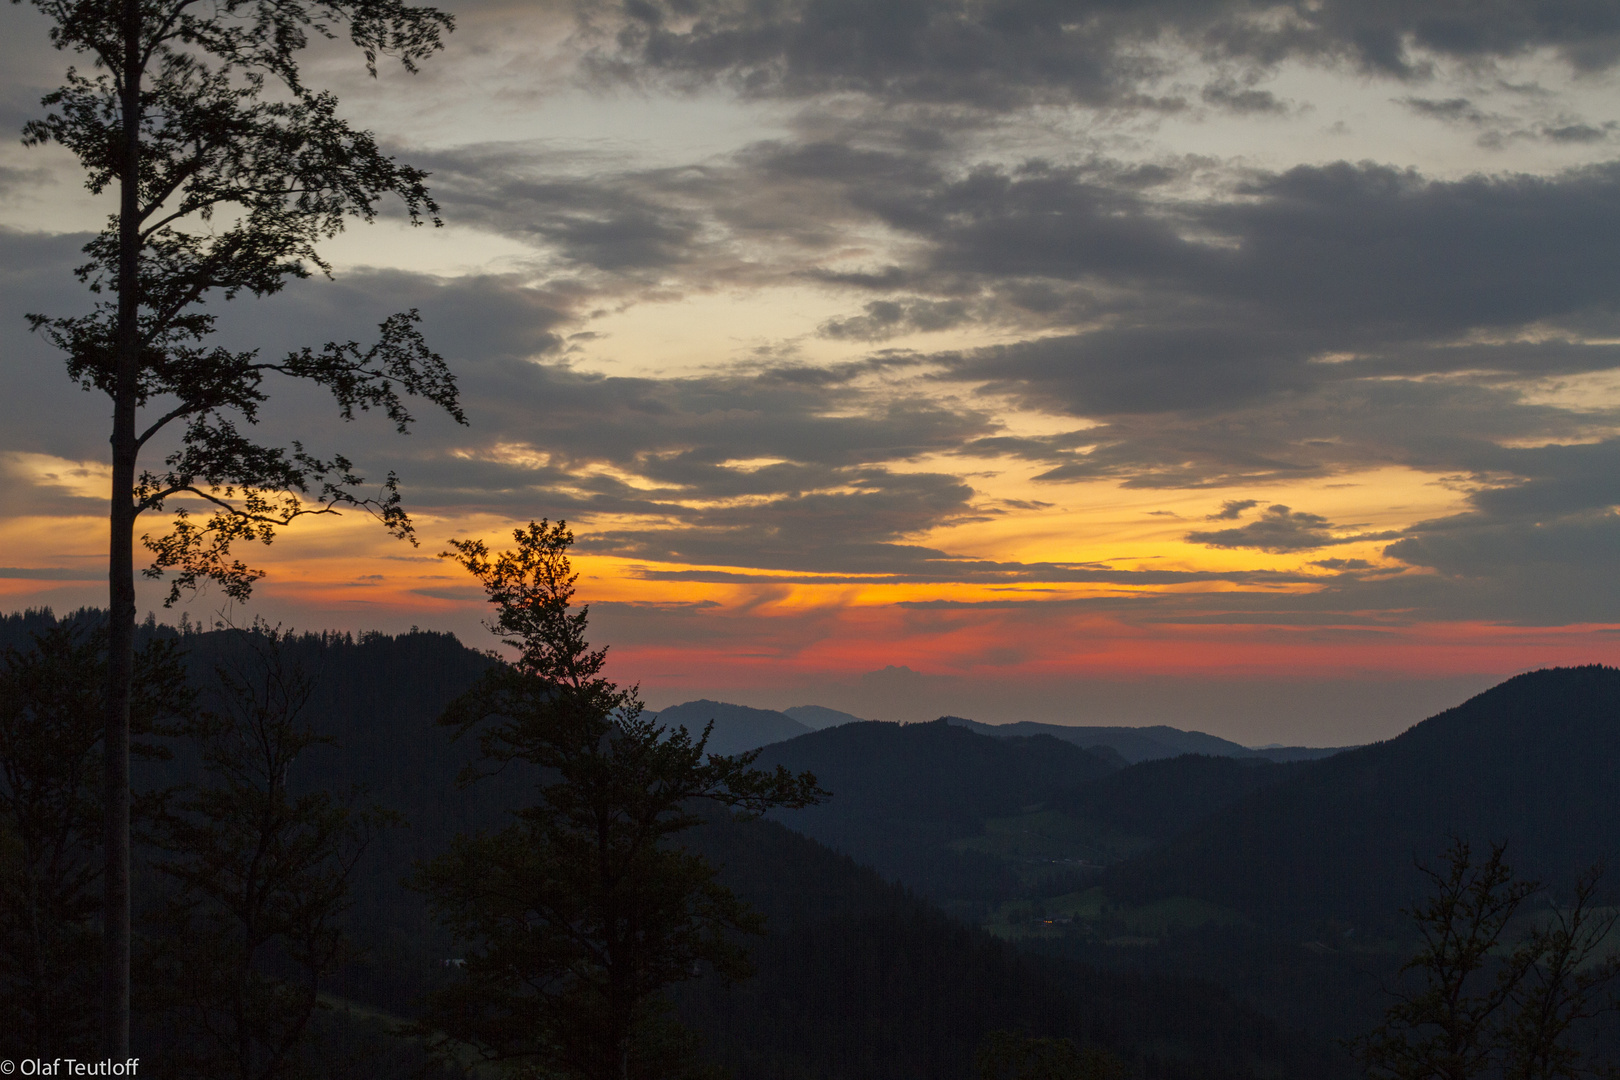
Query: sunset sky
1245, 367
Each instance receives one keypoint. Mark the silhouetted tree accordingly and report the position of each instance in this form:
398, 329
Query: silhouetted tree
1486, 1006
260, 875
51, 712
581, 911
1563, 989
228, 171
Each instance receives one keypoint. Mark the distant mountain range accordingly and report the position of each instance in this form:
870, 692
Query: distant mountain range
1115, 848
817, 717
1136, 744
738, 728
857, 978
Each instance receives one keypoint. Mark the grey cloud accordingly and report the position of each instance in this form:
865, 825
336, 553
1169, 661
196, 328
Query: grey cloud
1192, 305
1561, 551
1009, 53
910, 49
1453, 110
1334, 258
1232, 509
607, 220
1555, 572
1279, 530
904, 564
1498, 130
52, 573
1579, 132
1378, 247
1235, 97
1536, 546
889, 318
1139, 370
851, 530
1342, 565
549, 440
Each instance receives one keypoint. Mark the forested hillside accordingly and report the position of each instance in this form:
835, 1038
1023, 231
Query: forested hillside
903, 794
1103, 887
1138, 744
1534, 762
857, 977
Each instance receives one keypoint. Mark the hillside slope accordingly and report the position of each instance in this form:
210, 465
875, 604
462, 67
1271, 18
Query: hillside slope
737, 728
857, 978
903, 792
1161, 798
861, 980
1138, 744
1534, 761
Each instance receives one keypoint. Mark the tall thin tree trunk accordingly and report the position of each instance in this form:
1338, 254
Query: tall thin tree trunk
120, 560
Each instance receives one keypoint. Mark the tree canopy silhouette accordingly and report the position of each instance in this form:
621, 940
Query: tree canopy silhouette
229, 171
577, 914
1484, 1004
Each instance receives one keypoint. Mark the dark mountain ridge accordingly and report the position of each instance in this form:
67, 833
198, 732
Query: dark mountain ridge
858, 978
1534, 762
1138, 744
1161, 798
903, 792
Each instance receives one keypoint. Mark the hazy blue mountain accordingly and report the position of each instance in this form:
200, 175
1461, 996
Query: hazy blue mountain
1136, 744
1534, 761
737, 728
817, 717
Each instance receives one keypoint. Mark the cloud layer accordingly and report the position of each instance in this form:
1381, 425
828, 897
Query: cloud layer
1014, 343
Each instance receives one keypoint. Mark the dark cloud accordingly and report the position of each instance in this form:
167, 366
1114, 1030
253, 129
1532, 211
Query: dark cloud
1232, 509
900, 564
884, 319
1579, 132
1187, 307
620, 223
52, 573
1342, 565
1233, 96
1449, 109
1010, 53
1203, 327
1498, 130
1279, 530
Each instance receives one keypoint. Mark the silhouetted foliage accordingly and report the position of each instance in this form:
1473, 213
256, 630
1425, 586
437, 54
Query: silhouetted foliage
1486, 1007
579, 913
259, 880
229, 171
51, 712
